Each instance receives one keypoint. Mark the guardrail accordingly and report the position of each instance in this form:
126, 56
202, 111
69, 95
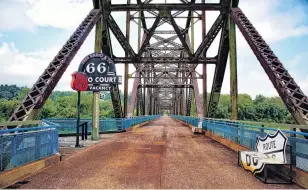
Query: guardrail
20, 146
246, 135
13, 124
68, 126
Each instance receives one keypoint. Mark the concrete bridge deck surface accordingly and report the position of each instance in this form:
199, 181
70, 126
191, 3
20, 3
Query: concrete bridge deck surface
162, 154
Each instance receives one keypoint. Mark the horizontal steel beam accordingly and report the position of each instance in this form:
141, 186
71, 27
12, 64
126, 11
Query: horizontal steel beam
167, 69
165, 86
163, 60
167, 6
168, 77
165, 48
152, 17
164, 32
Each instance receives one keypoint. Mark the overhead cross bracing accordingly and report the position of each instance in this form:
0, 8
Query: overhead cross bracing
169, 61
165, 62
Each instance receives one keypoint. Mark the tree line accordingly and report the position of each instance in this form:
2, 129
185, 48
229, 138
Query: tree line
62, 104
261, 108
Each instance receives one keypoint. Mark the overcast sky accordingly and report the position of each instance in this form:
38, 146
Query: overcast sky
33, 31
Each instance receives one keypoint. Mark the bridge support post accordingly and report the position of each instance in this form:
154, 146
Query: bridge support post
95, 100
204, 67
233, 68
126, 65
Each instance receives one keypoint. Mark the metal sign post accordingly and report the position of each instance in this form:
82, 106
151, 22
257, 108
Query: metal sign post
78, 119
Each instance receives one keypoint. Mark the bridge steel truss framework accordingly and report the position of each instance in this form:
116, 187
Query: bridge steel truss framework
165, 77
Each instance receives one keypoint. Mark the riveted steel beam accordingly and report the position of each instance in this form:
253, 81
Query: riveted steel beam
148, 36
41, 90
294, 98
219, 70
144, 24
209, 38
166, 86
180, 36
163, 60
120, 36
167, 6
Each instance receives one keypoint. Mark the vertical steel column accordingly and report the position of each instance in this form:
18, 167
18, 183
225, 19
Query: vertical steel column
176, 102
95, 101
144, 99
139, 31
184, 97
192, 33
196, 106
133, 97
197, 95
233, 68
153, 108
140, 98
126, 65
139, 44
151, 91
204, 67
189, 99
137, 105
180, 100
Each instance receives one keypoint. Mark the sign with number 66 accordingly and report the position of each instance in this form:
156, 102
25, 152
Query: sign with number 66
101, 68
100, 71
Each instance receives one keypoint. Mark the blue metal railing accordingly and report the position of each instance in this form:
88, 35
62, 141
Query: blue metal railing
190, 120
67, 126
24, 145
246, 135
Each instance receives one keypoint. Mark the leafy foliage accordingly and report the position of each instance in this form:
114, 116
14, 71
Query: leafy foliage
263, 109
63, 104
9, 91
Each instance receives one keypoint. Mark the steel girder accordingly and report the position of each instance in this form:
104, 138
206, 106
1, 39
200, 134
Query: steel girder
140, 100
133, 98
163, 60
188, 100
295, 100
209, 38
108, 22
167, 6
120, 37
166, 85
219, 70
180, 35
149, 35
41, 90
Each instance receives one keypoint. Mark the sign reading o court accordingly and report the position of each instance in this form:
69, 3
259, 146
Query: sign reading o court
100, 71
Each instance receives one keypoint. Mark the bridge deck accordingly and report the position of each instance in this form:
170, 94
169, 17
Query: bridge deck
163, 154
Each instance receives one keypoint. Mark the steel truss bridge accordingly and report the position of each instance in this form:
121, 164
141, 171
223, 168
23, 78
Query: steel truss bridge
165, 76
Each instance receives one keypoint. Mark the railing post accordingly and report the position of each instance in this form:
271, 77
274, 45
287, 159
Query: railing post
262, 131
37, 146
253, 139
1, 153
14, 151
82, 131
78, 119
86, 130
293, 147
241, 135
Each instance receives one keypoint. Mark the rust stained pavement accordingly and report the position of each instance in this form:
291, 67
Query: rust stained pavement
162, 154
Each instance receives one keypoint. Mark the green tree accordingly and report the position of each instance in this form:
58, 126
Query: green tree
246, 109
